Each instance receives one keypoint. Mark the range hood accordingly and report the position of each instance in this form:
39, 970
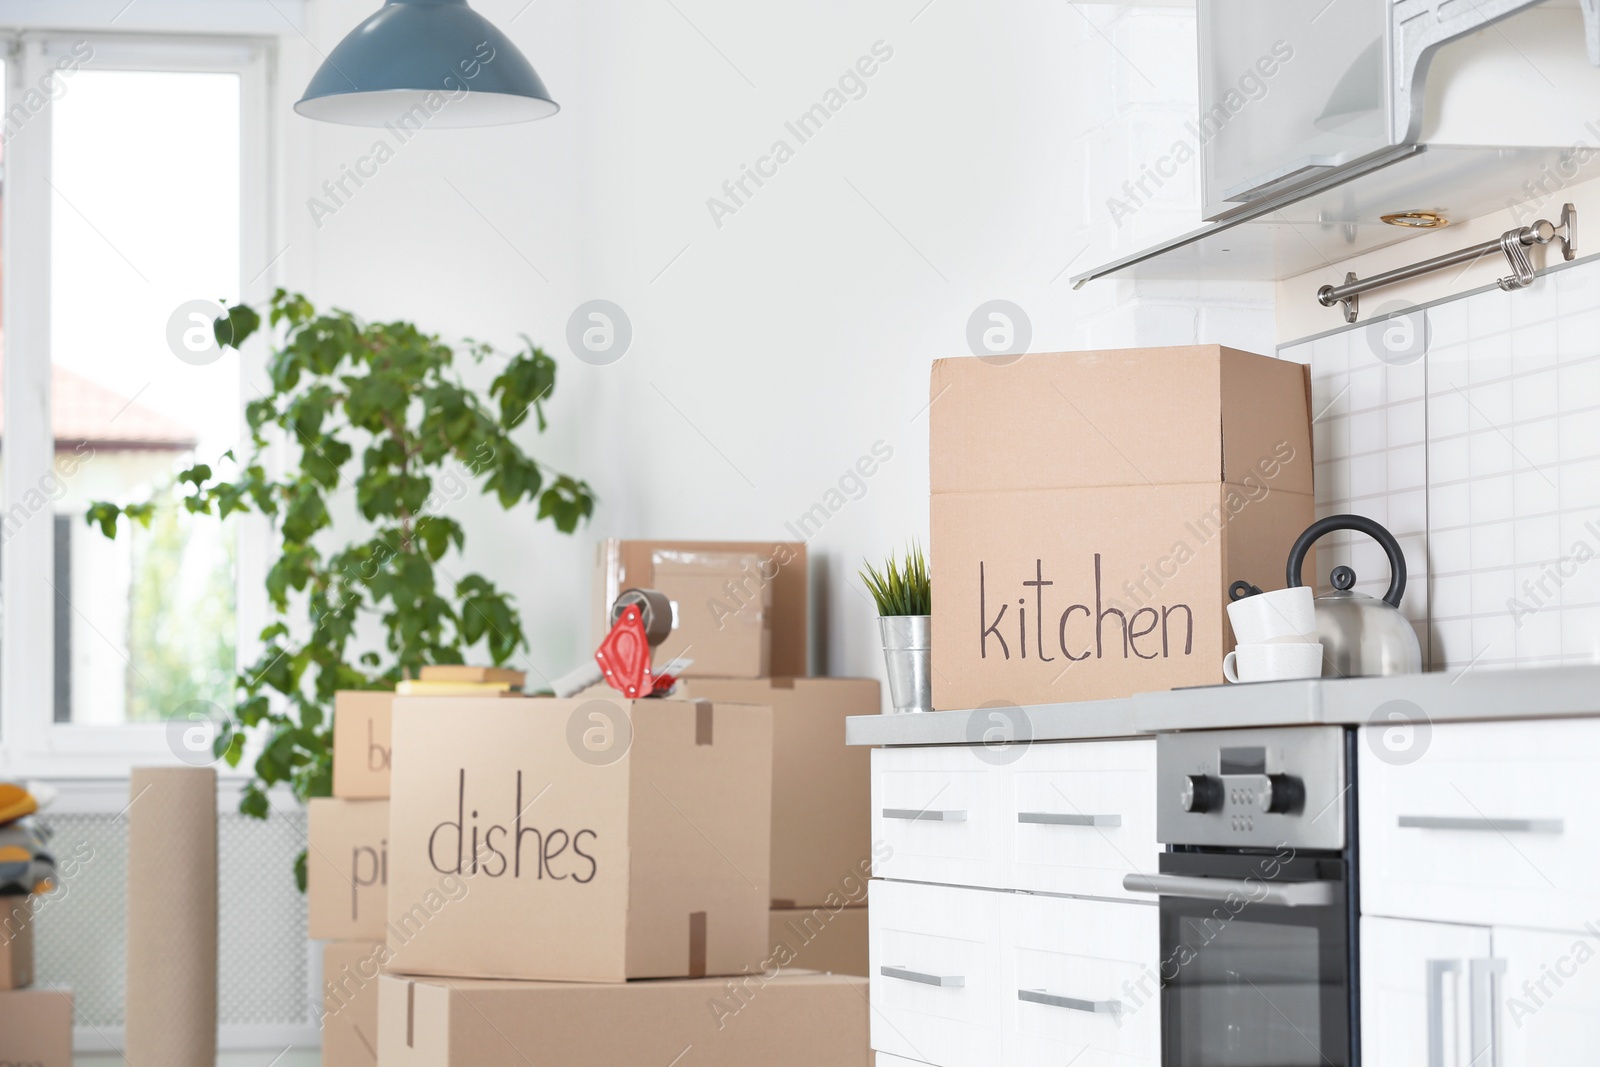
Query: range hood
1416, 111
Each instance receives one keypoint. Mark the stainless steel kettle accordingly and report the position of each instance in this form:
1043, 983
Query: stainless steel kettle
1361, 635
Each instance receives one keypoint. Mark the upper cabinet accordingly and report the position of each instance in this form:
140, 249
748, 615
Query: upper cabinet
1289, 93
1328, 128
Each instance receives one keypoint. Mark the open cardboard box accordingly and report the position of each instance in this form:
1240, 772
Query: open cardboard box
593, 839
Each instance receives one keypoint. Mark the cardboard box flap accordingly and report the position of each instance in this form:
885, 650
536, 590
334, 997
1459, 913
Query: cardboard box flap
1266, 421
1138, 416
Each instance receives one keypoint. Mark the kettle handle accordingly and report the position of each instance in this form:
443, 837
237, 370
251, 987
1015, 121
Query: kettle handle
1360, 524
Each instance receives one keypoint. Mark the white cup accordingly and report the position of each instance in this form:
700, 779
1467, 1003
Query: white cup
1280, 613
1273, 662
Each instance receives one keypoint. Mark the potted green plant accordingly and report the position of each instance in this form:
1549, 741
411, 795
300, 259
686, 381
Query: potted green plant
377, 410
904, 598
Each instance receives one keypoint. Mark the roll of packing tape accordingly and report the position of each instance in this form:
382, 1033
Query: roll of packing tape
655, 609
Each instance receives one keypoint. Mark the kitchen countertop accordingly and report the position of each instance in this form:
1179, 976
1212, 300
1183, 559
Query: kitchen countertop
1444, 696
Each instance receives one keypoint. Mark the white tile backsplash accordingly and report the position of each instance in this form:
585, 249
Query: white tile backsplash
1483, 458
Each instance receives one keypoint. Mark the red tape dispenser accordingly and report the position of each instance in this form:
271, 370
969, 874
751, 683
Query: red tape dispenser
641, 619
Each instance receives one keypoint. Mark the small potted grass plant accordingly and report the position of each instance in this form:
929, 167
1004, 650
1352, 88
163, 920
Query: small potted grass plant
904, 597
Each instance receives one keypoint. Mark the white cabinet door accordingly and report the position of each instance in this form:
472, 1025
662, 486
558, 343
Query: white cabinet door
1494, 824
936, 814
1416, 993
1081, 815
1080, 982
935, 973
1549, 997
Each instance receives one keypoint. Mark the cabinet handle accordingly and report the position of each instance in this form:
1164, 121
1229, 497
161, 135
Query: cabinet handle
1484, 975
924, 815
1504, 826
1437, 969
944, 981
1199, 887
1050, 818
1096, 1007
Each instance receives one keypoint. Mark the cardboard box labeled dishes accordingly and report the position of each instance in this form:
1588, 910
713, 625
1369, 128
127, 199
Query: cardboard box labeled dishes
801, 1020
593, 839
16, 943
361, 744
821, 787
740, 607
1090, 510
817, 939
350, 972
36, 1027
347, 869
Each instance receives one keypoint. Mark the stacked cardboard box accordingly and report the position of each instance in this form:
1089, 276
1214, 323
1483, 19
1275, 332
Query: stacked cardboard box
821, 825
591, 880
347, 877
820, 787
35, 1022
347, 858
544, 855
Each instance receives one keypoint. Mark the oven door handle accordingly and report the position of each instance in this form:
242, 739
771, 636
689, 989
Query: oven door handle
1284, 895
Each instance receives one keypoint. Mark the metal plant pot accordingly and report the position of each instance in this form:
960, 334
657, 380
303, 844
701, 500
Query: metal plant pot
906, 653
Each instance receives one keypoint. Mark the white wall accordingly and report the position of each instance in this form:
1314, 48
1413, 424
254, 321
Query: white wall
772, 351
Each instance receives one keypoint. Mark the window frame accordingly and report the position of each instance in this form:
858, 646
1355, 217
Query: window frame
30, 740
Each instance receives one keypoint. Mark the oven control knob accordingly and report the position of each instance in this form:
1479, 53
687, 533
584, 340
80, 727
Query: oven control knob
1281, 793
1200, 793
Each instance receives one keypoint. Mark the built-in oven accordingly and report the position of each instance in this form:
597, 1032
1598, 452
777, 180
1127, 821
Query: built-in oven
1258, 899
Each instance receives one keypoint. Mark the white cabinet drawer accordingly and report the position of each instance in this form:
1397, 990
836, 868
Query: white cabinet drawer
1495, 823
883, 1059
1079, 983
1081, 815
937, 811
935, 972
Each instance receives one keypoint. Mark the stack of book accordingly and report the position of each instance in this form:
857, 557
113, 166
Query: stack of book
459, 680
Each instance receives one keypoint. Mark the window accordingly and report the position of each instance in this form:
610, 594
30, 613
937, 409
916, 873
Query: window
134, 192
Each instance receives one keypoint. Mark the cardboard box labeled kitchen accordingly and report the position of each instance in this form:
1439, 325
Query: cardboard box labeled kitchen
800, 1020
350, 972
821, 787
588, 839
1090, 510
817, 939
16, 943
361, 744
731, 599
36, 1027
347, 869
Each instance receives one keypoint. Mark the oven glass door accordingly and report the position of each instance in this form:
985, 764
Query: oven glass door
1251, 983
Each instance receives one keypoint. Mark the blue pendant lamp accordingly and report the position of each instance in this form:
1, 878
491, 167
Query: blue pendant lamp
439, 56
